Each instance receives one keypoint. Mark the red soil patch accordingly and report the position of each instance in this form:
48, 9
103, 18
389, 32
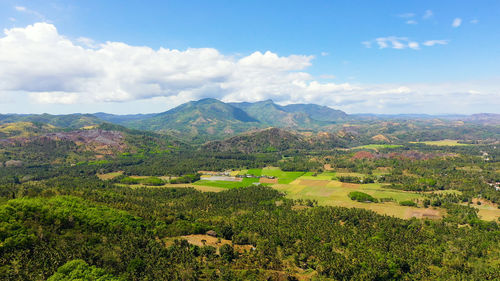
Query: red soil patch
363, 155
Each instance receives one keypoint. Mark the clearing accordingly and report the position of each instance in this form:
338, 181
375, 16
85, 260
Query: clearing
201, 240
109, 176
377, 146
335, 193
444, 143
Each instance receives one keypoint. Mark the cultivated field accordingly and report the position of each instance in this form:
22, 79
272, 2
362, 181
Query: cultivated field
443, 143
335, 193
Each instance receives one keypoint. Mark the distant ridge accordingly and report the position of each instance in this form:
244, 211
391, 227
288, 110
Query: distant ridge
207, 117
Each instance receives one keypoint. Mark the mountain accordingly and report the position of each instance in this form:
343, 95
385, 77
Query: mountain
271, 114
484, 118
317, 112
274, 139
206, 118
69, 121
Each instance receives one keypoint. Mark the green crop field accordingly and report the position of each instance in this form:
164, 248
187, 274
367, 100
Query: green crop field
228, 184
283, 177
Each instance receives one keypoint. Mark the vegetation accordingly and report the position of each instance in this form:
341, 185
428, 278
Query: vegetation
106, 202
361, 197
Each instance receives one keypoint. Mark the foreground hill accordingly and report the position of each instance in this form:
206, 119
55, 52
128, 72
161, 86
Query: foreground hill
33, 144
274, 139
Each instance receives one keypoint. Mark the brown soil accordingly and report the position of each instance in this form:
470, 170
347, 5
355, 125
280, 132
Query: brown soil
264, 180
424, 214
363, 155
327, 167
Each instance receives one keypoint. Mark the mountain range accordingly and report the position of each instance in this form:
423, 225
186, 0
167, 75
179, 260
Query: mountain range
211, 119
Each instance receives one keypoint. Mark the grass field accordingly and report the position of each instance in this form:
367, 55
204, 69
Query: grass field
377, 146
110, 176
335, 193
322, 176
227, 184
202, 188
443, 143
283, 177
487, 210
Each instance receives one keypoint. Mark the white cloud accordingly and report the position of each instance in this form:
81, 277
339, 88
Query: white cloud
20, 8
39, 64
413, 45
411, 22
324, 54
431, 43
456, 22
395, 42
428, 14
474, 21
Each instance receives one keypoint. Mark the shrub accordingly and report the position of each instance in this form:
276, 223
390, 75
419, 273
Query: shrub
362, 197
408, 203
152, 181
129, 180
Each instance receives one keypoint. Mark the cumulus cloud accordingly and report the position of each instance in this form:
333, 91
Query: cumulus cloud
54, 69
411, 22
39, 64
456, 22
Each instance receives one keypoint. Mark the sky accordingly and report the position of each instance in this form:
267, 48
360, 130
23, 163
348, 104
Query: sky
127, 57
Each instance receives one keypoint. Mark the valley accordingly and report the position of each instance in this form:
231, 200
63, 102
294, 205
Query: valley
249, 191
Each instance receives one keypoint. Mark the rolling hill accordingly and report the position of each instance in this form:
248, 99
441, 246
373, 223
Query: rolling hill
71, 121
274, 139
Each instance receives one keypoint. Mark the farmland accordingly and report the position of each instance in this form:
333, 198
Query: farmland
327, 191
443, 143
335, 193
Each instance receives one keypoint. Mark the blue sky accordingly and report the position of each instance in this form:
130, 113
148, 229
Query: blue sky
359, 56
